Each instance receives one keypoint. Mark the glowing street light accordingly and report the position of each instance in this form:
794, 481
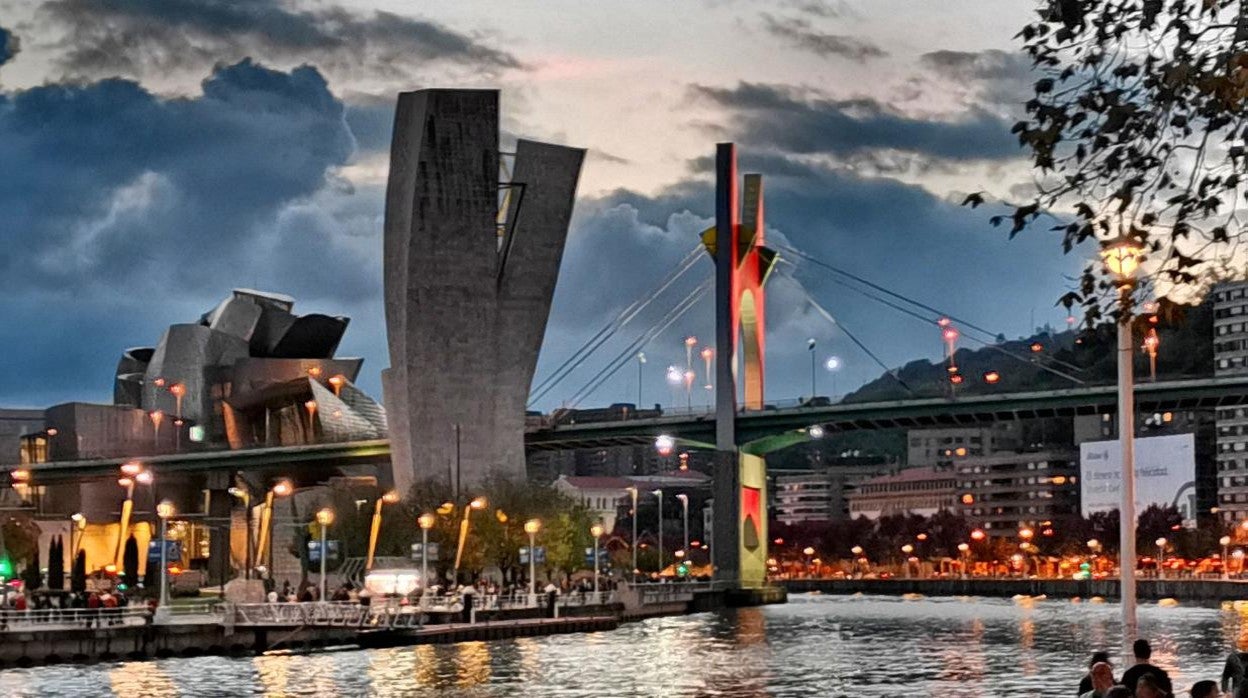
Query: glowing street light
310, 406
833, 364
1161, 554
1121, 258
965, 549
164, 510
157, 417
336, 382
684, 505
632, 491
375, 529
641, 362
426, 522
80, 526
596, 531
531, 527
907, 549
978, 534
659, 495
476, 504
325, 519
664, 444
815, 431
1151, 342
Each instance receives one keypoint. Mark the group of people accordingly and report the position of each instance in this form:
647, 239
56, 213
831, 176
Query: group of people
1143, 679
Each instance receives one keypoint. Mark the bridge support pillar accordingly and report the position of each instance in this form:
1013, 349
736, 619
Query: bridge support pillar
220, 522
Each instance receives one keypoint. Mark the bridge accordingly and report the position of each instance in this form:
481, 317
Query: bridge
544, 435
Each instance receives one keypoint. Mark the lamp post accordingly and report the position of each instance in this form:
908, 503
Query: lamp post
531, 527
264, 551
659, 495
478, 503
325, 518
164, 510
906, 550
833, 364
684, 516
633, 492
1239, 559
388, 498
810, 347
129, 471
157, 417
1226, 543
1161, 554
245, 496
1122, 258
857, 551
641, 362
596, 532
426, 522
80, 526
965, 549
337, 381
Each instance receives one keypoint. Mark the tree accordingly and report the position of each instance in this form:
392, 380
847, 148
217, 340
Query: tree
78, 574
32, 577
1137, 128
56, 564
130, 563
1156, 522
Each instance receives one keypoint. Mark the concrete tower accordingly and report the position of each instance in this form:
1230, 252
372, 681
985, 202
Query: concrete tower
471, 260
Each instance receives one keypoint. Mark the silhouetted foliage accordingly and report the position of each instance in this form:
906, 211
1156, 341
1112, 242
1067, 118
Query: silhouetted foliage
1137, 127
130, 563
78, 573
31, 576
56, 564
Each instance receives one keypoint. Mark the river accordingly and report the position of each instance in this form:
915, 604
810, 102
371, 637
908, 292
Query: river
813, 646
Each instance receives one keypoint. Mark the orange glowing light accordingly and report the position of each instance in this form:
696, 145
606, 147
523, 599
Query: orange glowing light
978, 534
968, 499
1036, 347
992, 377
956, 379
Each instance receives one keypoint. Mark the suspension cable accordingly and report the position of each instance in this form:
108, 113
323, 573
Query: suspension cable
611, 328
624, 356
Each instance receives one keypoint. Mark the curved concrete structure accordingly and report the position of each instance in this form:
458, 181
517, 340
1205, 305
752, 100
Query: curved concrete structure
467, 296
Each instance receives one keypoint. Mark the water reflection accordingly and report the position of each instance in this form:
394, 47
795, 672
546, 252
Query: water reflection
815, 645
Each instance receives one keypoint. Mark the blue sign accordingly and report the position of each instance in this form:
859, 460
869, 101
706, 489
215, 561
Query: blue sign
314, 551
602, 557
539, 555
433, 552
173, 551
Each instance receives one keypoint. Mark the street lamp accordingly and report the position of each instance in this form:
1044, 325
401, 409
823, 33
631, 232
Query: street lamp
857, 551
325, 518
1161, 553
633, 492
684, 506
1122, 258
388, 498
664, 444
596, 532
245, 496
810, 347
281, 488
426, 522
337, 381
659, 494
1226, 543
164, 510
1239, 559
641, 362
965, 549
478, 503
907, 549
310, 406
531, 527
157, 417
833, 364
129, 471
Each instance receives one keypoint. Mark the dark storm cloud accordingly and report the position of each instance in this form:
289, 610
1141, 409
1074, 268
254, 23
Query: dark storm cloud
895, 234
816, 124
1000, 77
8, 46
802, 34
137, 37
147, 209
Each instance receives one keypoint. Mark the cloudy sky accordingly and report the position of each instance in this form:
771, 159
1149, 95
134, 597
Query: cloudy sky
155, 154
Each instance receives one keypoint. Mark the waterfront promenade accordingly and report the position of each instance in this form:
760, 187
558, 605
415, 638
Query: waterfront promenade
1206, 590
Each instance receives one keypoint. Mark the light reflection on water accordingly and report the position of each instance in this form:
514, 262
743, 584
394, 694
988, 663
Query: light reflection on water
815, 645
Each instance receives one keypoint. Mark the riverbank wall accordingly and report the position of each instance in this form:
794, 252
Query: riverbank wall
1201, 590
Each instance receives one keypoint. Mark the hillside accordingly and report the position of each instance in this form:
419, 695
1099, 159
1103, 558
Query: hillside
1185, 351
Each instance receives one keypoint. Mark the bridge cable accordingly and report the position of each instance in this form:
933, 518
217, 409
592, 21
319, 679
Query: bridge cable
828, 316
992, 345
626, 355
611, 328
906, 299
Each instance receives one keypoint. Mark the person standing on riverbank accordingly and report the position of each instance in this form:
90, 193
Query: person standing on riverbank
1085, 684
1205, 689
1101, 679
1143, 652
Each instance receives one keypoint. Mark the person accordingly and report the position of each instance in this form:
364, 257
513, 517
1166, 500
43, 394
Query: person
552, 595
1085, 684
1118, 692
1143, 652
1101, 679
1149, 687
1205, 689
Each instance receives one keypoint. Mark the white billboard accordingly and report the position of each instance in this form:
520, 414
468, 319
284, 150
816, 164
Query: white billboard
1165, 474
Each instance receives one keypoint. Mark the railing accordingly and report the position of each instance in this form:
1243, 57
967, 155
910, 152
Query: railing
54, 618
669, 593
326, 615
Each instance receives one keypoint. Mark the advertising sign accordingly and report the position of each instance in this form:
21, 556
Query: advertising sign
173, 552
1165, 474
433, 552
539, 556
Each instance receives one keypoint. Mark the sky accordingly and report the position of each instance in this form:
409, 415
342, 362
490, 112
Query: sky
155, 154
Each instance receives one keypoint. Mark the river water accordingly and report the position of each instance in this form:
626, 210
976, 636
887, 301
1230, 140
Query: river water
813, 646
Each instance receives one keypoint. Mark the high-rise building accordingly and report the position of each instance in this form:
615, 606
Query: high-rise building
1004, 492
1230, 358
